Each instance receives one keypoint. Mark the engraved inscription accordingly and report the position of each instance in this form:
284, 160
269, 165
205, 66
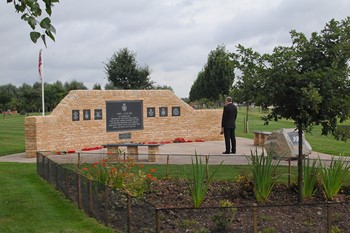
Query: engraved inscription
124, 115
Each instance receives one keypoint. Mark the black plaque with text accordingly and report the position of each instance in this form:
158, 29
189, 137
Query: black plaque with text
124, 115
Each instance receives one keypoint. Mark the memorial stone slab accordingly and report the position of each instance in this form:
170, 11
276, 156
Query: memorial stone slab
124, 115
284, 143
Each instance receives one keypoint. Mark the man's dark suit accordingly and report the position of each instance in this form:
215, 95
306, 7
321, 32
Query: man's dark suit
228, 122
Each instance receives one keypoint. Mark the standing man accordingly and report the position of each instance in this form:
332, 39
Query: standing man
228, 126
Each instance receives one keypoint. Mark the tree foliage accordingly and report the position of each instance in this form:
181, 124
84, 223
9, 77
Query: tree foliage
198, 88
97, 86
216, 78
163, 87
308, 82
249, 85
32, 13
123, 71
27, 98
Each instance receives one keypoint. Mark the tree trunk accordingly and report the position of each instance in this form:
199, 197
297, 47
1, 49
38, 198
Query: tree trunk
300, 164
246, 130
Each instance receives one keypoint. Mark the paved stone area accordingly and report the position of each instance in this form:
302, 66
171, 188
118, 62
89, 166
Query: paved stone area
176, 153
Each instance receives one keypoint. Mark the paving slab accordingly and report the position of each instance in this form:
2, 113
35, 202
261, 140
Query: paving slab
173, 153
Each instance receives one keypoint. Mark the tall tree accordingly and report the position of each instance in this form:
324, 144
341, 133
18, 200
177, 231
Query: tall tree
123, 71
198, 88
248, 86
219, 74
309, 82
32, 13
216, 78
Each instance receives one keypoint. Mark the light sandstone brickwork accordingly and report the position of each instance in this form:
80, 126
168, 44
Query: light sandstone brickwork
58, 132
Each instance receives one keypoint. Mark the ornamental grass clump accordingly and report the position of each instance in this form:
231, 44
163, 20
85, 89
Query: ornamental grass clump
310, 176
334, 176
263, 175
200, 180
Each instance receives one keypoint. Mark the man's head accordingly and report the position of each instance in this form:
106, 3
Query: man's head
229, 99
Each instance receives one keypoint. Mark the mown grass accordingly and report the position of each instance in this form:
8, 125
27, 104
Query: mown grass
318, 142
29, 204
12, 139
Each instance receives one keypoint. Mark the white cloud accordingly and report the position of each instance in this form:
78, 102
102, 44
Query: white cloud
172, 37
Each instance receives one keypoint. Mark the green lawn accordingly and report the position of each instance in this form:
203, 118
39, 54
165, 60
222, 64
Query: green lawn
12, 133
319, 143
29, 204
12, 138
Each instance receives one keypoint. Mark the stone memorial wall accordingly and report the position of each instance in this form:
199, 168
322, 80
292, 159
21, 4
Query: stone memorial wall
89, 118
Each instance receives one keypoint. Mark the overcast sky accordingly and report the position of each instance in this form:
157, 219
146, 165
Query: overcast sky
172, 37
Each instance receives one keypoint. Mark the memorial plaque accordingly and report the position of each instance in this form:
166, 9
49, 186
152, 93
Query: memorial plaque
75, 115
175, 111
163, 111
86, 114
294, 137
151, 112
124, 136
98, 114
124, 115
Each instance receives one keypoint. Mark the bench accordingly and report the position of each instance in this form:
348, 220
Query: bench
133, 149
260, 137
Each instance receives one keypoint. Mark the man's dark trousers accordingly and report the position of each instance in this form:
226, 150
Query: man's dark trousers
230, 139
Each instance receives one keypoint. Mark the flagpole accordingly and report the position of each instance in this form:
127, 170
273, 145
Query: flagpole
41, 75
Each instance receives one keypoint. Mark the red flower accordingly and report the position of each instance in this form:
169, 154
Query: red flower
149, 176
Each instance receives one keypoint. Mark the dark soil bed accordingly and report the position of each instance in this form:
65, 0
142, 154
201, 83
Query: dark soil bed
281, 213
